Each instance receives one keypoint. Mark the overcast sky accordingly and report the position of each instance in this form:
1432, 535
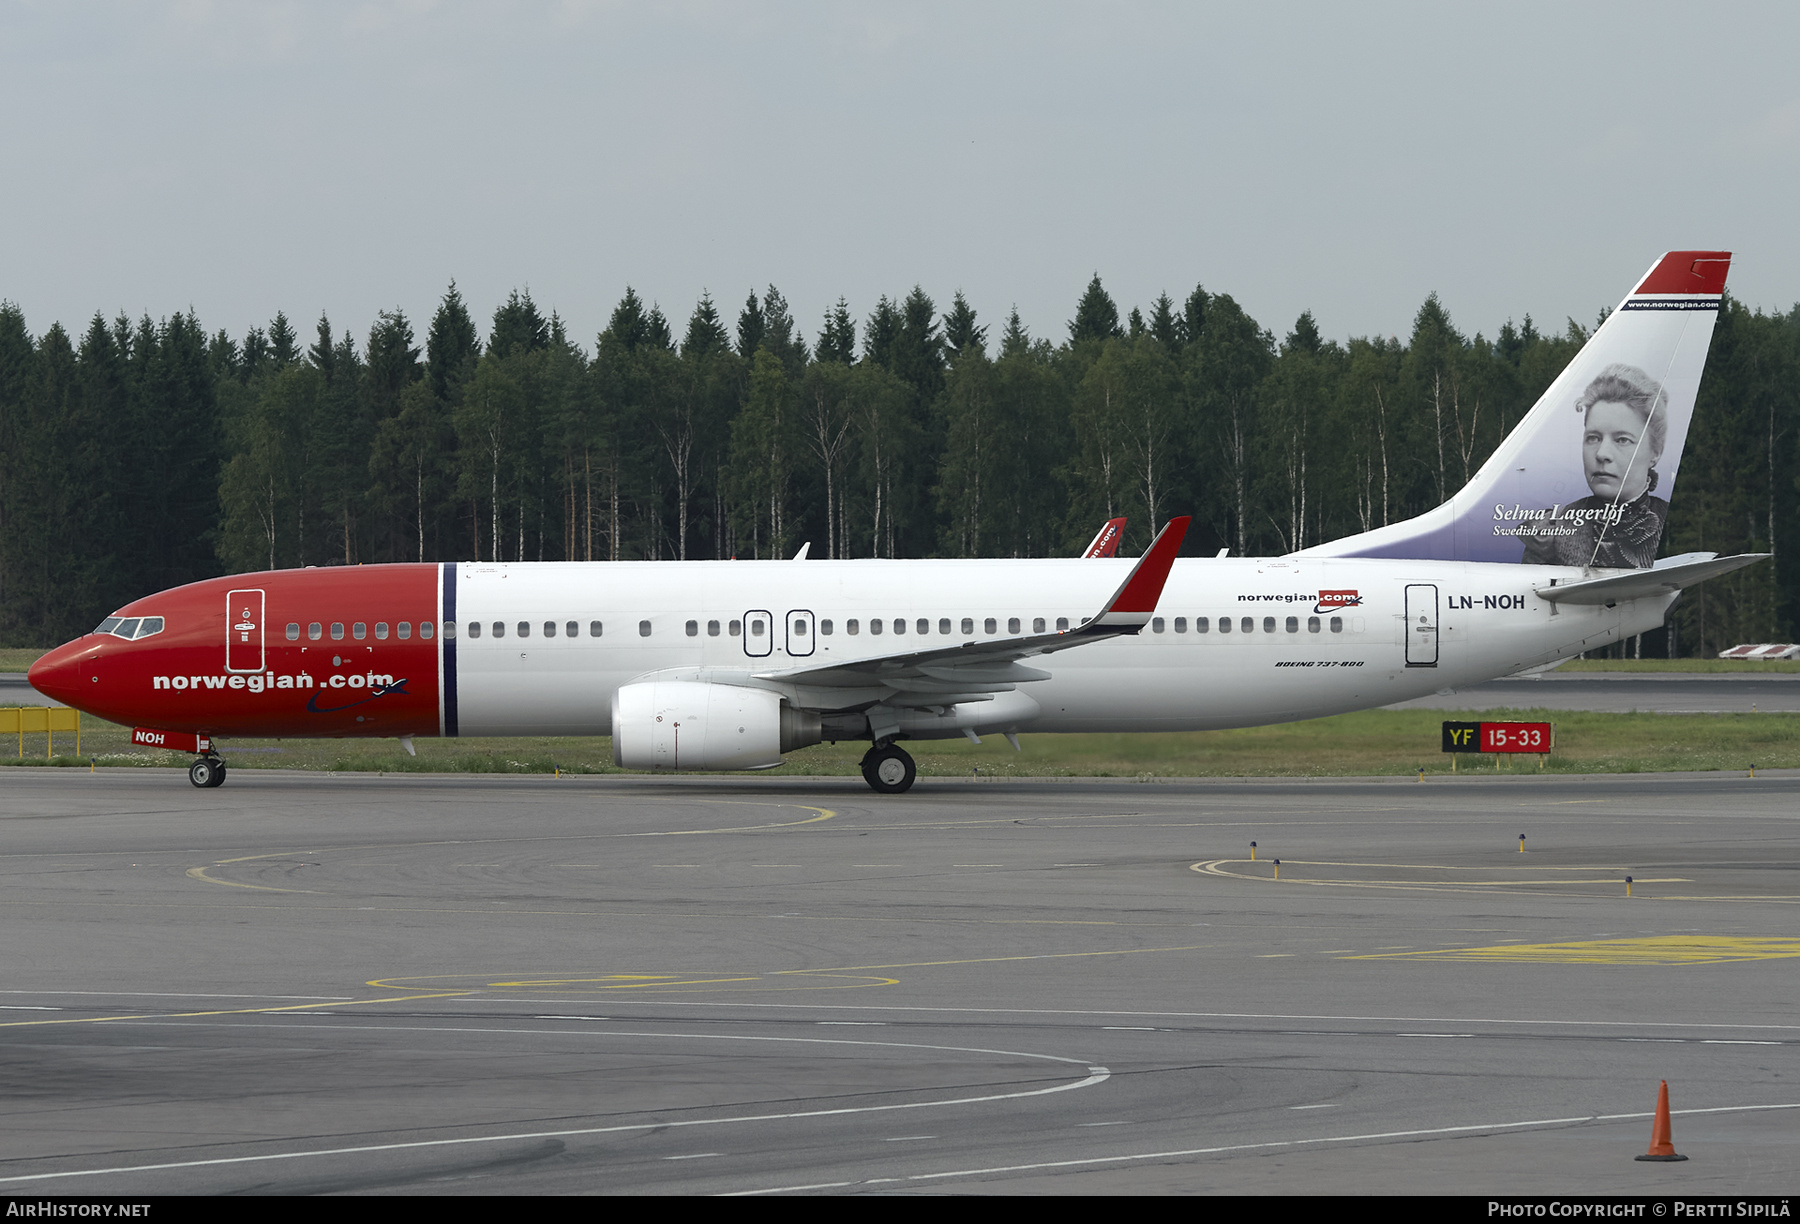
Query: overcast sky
240, 158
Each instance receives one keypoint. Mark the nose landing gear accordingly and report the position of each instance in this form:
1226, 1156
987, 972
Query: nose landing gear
207, 772
888, 769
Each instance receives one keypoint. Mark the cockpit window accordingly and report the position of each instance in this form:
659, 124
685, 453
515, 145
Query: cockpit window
129, 627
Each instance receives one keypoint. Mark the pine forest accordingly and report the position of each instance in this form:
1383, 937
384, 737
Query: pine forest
138, 455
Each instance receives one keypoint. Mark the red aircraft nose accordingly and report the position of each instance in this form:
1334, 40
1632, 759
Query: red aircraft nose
58, 675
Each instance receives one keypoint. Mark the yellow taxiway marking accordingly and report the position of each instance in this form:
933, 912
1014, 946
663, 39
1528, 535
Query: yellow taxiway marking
237, 1011
823, 814
1650, 950
1615, 876
200, 873
856, 975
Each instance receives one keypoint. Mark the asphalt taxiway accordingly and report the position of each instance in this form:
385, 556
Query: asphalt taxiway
361, 984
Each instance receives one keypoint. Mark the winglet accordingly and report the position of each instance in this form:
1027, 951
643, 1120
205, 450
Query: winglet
1134, 601
1106, 542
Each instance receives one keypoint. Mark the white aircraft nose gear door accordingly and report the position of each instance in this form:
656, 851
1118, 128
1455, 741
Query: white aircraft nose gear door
800, 632
1422, 625
759, 633
244, 631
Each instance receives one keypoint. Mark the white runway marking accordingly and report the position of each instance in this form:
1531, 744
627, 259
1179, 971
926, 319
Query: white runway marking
1096, 1075
1092, 1161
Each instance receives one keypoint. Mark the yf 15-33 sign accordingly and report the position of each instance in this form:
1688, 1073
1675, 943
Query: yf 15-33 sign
1499, 736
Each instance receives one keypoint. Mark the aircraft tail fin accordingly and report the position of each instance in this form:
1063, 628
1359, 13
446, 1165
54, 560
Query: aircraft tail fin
1585, 479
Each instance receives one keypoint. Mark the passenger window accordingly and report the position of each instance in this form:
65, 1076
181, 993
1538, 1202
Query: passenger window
499, 629
799, 626
1062, 624
404, 630
293, 633
474, 628
756, 627
314, 632
1312, 624
924, 626
1202, 624
425, 630
1337, 624
1268, 624
572, 629
693, 628
1224, 624
1293, 624
1248, 624
712, 629
1037, 624
875, 626
969, 625
381, 631
524, 629
825, 628
643, 628
1181, 624
359, 631
852, 627
1012, 624
337, 631
990, 626
594, 628
549, 628
1156, 624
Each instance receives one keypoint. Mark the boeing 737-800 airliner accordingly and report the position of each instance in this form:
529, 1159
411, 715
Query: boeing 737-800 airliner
1549, 551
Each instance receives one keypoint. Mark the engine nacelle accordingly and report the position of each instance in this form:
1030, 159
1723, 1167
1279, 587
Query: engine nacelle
690, 724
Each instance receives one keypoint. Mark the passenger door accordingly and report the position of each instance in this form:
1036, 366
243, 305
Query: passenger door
244, 631
1422, 625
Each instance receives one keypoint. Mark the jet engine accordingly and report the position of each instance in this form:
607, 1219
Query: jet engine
692, 724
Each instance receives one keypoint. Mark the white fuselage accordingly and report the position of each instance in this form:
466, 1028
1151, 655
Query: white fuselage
1308, 637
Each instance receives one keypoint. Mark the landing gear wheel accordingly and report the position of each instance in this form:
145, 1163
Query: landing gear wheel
889, 770
207, 772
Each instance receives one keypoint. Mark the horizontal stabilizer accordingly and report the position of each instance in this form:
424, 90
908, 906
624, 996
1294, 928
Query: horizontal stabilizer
1670, 575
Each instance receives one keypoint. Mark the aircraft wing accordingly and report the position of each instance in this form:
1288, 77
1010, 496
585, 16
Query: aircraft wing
975, 670
1669, 575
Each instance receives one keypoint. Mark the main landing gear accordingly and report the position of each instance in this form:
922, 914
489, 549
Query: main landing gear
207, 772
889, 769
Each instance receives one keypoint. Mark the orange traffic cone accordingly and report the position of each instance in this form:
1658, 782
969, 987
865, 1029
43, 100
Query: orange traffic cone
1662, 1145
